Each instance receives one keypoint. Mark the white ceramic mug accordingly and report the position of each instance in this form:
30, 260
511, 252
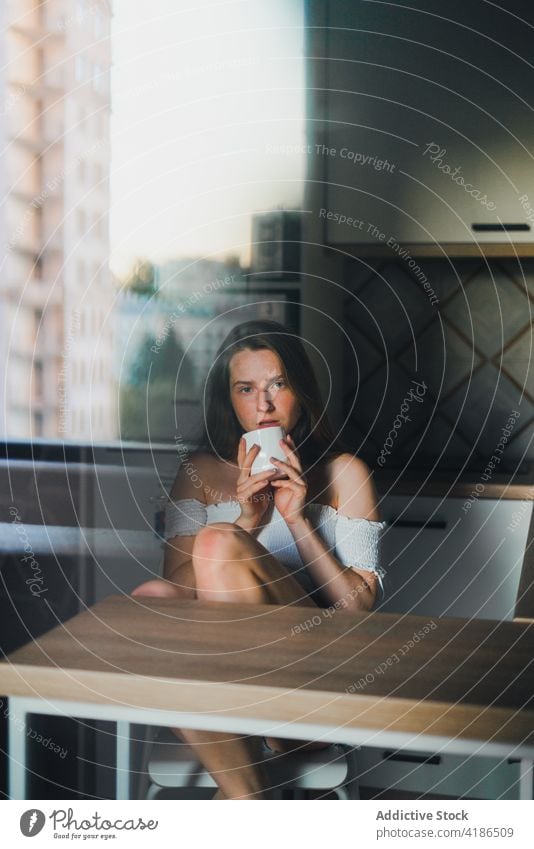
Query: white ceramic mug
268, 438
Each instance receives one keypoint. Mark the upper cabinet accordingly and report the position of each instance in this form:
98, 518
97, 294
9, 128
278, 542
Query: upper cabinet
421, 124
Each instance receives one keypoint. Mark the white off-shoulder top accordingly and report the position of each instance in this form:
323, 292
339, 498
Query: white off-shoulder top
354, 542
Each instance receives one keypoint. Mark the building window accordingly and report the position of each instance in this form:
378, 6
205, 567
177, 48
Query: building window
97, 71
37, 423
98, 24
38, 322
37, 270
38, 381
82, 222
101, 226
79, 68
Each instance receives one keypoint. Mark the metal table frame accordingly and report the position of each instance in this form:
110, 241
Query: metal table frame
125, 717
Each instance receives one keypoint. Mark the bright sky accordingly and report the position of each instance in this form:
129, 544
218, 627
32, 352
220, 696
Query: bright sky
201, 94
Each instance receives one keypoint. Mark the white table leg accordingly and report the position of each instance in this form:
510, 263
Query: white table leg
123, 764
17, 749
525, 779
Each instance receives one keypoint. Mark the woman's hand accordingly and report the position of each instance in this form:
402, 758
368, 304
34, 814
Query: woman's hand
253, 501
290, 493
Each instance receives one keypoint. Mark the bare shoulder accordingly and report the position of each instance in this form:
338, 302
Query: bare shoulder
203, 461
197, 474
354, 488
350, 464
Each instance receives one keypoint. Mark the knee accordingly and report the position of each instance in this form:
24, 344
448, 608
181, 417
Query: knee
156, 589
219, 550
217, 540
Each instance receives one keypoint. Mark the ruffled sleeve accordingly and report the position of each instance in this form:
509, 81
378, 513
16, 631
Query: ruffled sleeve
184, 517
359, 545
356, 543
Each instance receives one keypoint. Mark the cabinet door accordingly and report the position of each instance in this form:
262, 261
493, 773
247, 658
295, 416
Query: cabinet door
442, 560
445, 560
424, 123
439, 773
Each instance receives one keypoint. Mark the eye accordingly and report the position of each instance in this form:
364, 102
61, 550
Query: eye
279, 383
244, 389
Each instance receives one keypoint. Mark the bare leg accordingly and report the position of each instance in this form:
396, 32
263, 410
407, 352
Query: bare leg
230, 565
157, 588
278, 744
179, 584
231, 759
235, 762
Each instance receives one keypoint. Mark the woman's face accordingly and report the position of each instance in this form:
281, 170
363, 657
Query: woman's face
259, 392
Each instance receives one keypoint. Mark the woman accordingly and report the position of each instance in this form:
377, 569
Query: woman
306, 534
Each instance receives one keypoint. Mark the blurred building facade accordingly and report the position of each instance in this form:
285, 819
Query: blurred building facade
55, 289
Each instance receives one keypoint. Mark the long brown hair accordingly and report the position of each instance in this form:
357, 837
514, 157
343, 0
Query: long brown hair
313, 435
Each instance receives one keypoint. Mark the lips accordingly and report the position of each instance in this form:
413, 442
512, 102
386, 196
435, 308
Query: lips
268, 423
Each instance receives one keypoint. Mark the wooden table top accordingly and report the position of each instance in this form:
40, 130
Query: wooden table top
448, 677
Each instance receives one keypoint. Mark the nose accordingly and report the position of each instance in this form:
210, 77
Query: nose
265, 403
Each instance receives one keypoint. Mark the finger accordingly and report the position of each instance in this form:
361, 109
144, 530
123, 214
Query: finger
289, 483
247, 492
291, 454
247, 462
258, 485
251, 456
260, 476
290, 470
293, 486
270, 473
243, 453
265, 475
